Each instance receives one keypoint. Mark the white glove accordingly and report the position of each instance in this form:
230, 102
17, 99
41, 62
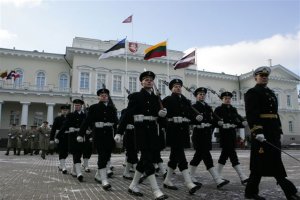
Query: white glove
51, 142
91, 139
88, 132
162, 113
260, 137
117, 138
245, 123
25, 140
199, 118
56, 140
79, 139
220, 123
225, 126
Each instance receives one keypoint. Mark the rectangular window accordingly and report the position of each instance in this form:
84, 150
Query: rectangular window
291, 126
84, 80
101, 79
117, 83
288, 100
132, 84
234, 96
38, 118
162, 87
14, 117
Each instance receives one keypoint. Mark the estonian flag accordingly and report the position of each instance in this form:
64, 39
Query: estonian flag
117, 49
185, 61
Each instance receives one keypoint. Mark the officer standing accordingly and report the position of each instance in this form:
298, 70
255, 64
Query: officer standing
201, 138
144, 107
180, 113
262, 114
21, 134
71, 127
34, 140
227, 128
44, 138
12, 139
62, 141
102, 119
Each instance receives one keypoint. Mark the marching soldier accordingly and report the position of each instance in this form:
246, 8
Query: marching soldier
34, 140
227, 129
71, 127
62, 141
87, 150
21, 134
102, 119
144, 107
12, 139
44, 138
264, 122
179, 115
201, 138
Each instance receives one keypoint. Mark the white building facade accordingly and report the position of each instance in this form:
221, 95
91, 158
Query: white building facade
49, 80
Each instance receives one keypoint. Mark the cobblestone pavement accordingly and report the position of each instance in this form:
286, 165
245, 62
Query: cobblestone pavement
30, 177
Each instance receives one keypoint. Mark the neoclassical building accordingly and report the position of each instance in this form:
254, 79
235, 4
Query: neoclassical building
48, 80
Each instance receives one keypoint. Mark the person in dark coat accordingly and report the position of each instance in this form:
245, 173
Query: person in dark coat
227, 128
262, 114
180, 113
62, 141
12, 139
102, 120
75, 141
201, 138
144, 107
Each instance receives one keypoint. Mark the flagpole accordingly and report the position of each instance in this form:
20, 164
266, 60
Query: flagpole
196, 66
132, 29
126, 71
168, 70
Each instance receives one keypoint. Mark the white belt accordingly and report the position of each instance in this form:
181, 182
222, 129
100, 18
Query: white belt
141, 118
178, 120
202, 125
56, 131
103, 124
129, 127
228, 126
72, 129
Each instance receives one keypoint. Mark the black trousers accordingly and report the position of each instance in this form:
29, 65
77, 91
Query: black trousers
157, 157
228, 153
253, 185
177, 158
132, 155
145, 164
63, 147
103, 157
87, 149
202, 154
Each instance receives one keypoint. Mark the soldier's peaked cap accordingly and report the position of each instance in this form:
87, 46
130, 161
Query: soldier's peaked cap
226, 94
173, 82
146, 74
262, 70
78, 101
200, 89
103, 90
65, 107
45, 122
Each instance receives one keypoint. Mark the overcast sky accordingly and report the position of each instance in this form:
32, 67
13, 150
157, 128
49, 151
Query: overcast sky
231, 36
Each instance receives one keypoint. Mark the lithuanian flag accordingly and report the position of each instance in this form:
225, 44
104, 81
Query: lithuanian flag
155, 51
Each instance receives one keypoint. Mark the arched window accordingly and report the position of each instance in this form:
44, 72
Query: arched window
40, 80
19, 81
63, 82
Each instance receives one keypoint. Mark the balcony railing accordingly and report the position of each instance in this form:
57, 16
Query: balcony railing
29, 87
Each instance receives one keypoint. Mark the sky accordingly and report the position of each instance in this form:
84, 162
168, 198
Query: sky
231, 36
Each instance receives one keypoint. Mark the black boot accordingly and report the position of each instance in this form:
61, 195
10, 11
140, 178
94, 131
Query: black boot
288, 188
7, 152
15, 151
19, 150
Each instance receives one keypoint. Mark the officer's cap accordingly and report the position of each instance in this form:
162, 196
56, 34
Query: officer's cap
23, 125
65, 107
147, 74
226, 94
45, 122
103, 91
200, 89
78, 101
173, 82
262, 70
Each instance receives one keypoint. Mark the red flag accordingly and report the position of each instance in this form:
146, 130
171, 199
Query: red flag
128, 19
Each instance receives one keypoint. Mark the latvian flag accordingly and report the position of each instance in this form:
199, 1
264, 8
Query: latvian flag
155, 51
128, 19
186, 61
117, 49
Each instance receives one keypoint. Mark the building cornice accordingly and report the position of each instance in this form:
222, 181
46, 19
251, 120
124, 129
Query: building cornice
205, 74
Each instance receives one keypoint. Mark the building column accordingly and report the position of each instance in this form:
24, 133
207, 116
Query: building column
24, 117
1, 102
50, 113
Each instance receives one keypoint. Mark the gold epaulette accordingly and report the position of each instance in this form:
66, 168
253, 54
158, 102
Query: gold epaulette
268, 116
256, 127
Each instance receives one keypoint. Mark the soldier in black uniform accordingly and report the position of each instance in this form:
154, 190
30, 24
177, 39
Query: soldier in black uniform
75, 141
102, 120
227, 128
180, 113
201, 138
262, 114
87, 150
62, 140
144, 107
